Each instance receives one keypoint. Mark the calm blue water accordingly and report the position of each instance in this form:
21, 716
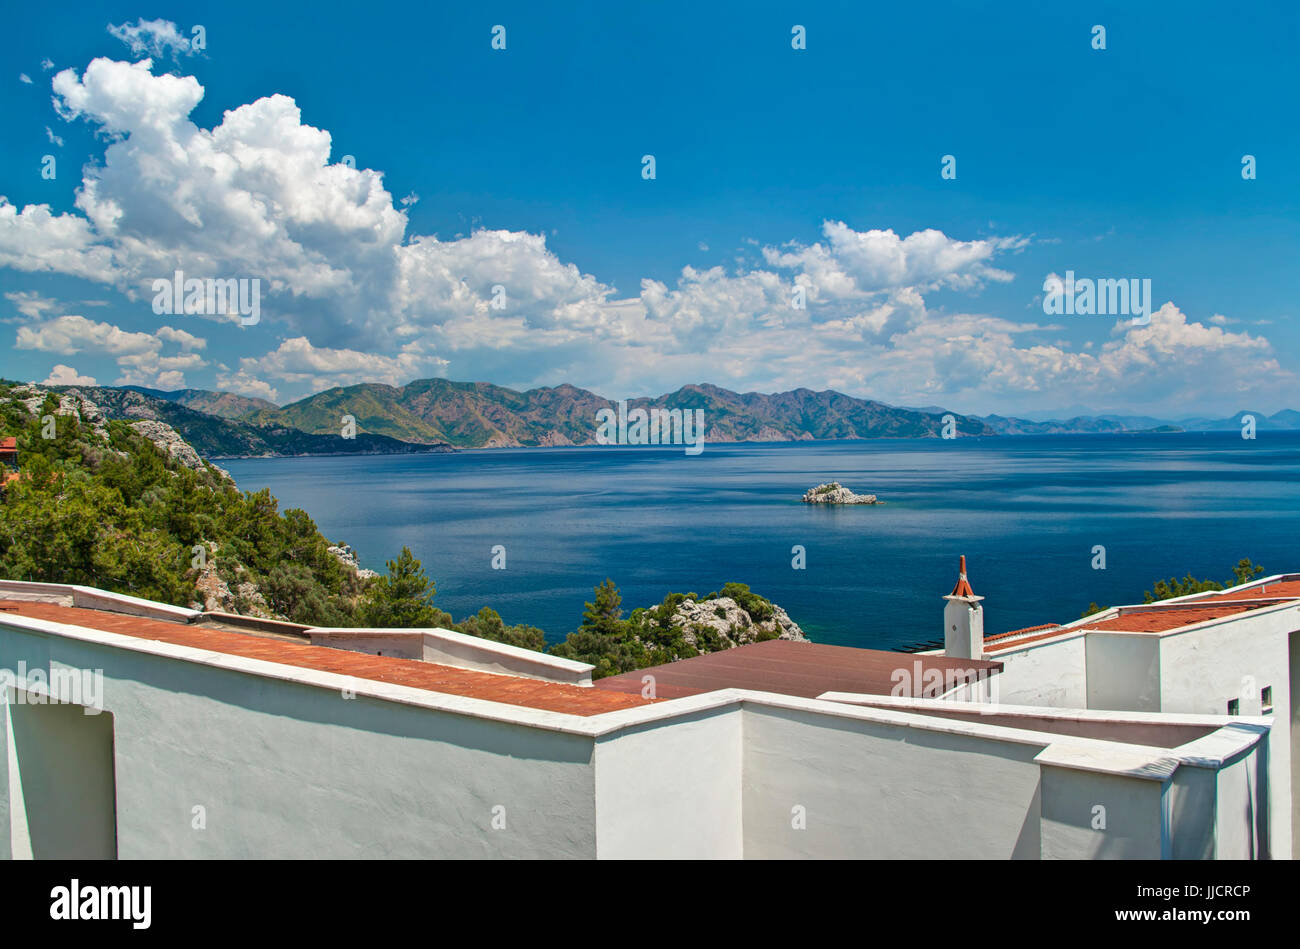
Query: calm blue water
1026, 512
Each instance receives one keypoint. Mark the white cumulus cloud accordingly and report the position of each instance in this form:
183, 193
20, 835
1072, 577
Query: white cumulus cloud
62, 375
154, 37
349, 294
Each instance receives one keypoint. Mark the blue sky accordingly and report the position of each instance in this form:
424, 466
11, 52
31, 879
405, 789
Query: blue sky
775, 168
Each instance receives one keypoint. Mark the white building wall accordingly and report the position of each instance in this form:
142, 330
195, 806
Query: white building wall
672, 789
1052, 673
65, 786
1133, 810
1201, 669
284, 769
870, 789
1124, 672
1293, 695
1240, 831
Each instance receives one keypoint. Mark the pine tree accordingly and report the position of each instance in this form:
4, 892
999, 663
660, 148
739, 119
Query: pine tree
403, 598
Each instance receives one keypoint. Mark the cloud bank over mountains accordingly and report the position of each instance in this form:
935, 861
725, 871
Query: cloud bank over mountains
349, 294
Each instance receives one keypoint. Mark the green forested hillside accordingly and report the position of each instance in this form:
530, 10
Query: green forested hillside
215, 436
108, 508
221, 404
477, 414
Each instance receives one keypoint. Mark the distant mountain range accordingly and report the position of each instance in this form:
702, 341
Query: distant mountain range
1286, 420
438, 415
216, 436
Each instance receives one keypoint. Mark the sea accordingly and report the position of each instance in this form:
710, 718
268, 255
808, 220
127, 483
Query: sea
1048, 524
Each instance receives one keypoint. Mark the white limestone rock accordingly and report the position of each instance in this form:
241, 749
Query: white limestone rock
72, 404
725, 617
348, 557
169, 442
832, 492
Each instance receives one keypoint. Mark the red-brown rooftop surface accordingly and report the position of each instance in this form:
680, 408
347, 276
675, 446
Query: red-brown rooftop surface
1163, 620
512, 690
1200, 610
1010, 643
1150, 621
9, 444
1020, 632
1285, 589
790, 668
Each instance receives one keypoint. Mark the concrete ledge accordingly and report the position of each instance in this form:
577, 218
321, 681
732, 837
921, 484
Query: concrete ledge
1042, 711
254, 622
1128, 761
455, 649
1219, 749
60, 594
93, 599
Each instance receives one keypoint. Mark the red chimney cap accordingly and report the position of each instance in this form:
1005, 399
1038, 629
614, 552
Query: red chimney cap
963, 585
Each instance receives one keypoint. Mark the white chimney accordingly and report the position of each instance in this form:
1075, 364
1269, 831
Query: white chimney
963, 621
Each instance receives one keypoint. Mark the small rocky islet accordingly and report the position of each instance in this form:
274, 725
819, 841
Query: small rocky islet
832, 492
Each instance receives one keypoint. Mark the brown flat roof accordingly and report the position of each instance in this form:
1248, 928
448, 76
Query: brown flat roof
801, 669
432, 677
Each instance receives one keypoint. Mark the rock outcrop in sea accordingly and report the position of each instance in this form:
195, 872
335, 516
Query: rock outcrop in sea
832, 492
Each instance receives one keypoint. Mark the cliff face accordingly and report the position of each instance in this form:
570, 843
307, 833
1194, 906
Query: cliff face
72, 404
167, 440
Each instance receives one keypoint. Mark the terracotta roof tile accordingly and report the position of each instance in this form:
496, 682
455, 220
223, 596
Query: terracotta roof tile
1008, 643
1135, 620
1018, 632
1285, 589
1164, 620
432, 677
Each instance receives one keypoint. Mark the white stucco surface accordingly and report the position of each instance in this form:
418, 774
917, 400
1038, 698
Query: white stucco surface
1052, 673
672, 790
1124, 671
869, 789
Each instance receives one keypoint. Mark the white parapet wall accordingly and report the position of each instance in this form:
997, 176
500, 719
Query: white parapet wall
66, 594
1221, 780
455, 649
